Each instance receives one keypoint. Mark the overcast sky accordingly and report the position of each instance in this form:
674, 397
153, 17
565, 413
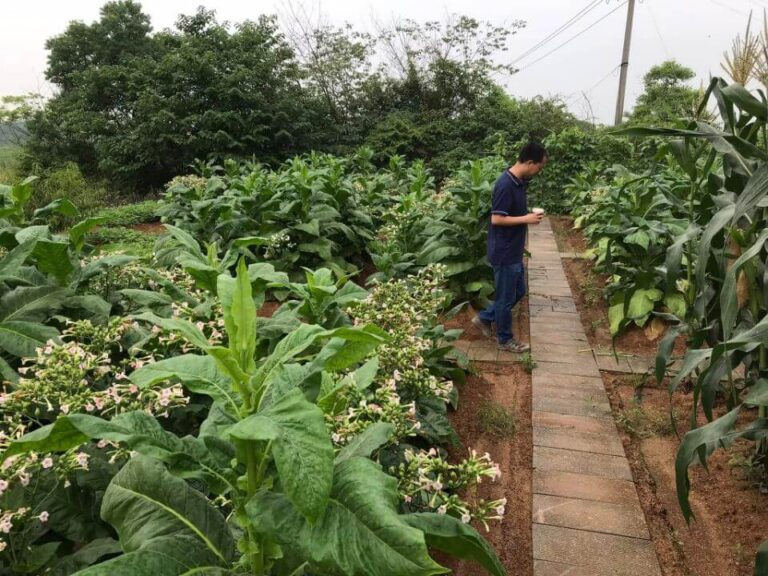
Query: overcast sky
694, 32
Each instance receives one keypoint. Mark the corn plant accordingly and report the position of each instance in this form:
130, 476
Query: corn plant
726, 280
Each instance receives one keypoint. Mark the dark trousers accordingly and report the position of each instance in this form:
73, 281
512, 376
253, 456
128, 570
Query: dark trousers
510, 289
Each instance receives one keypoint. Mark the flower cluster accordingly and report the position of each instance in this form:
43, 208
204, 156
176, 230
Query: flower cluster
382, 405
189, 181
426, 481
84, 373
277, 245
16, 475
164, 344
406, 308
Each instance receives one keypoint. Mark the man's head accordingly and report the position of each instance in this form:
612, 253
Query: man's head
531, 160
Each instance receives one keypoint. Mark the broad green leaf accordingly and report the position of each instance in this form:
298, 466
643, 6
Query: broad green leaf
365, 443
643, 302
359, 534
54, 258
191, 332
448, 534
7, 372
89, 307
676, 304
301, 448
348, 346
288, 348
640, 237
32, 304
78, 231
11, 262
616, 317
199, 374
187, 457
61, 206
32, 233
366, 374
166, 527
87, 555
23, 338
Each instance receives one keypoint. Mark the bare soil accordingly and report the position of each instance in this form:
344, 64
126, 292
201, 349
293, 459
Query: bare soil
151, 228
509, 386
731, 513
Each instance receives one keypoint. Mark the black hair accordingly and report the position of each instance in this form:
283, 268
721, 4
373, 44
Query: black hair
532, 152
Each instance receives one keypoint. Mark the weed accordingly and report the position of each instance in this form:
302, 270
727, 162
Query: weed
128, 214
496, 420
645, 422
528, 362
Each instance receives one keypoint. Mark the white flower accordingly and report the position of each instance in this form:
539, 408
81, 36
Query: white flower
466, 518
24, 478
443, 509
6, 525
82, 460
43, 517
47, 463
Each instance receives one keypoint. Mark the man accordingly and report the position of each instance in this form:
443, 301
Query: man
506, 245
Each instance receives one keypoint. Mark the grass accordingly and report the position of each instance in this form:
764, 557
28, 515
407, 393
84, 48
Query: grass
528, 362
645, 422
590, 288
9, 161
128, 214
123, 240
496, 420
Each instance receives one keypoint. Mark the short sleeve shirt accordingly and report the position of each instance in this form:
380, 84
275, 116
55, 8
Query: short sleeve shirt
506, 244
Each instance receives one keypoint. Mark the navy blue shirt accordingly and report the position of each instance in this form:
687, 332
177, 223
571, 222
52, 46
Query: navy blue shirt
506, 244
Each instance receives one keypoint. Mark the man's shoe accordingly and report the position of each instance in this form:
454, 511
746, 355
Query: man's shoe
514, 346
483, 326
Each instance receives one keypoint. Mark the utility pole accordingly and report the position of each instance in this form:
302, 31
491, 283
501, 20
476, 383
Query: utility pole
625, 63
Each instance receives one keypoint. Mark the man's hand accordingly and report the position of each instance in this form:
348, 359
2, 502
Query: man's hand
533, 218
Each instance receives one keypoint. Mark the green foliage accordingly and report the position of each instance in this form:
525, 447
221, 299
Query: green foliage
127, 214
67, 183
632, 221
666, 99
719, 261
264, 454
129, 112
571, 151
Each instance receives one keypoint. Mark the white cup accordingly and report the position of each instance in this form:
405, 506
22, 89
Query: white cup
538, 210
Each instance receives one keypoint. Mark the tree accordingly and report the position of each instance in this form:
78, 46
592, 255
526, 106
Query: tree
137, 108
666, 100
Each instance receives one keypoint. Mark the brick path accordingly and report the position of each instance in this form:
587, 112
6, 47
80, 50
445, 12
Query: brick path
587, 519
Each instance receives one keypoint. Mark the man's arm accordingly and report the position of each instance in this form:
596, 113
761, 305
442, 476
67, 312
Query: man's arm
500, 220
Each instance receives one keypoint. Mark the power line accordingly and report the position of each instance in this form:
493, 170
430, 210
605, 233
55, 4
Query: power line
716, 3
612, 72
570, 22
572, 38
658, 30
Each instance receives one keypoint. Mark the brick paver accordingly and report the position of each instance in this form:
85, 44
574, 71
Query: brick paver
587, 519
